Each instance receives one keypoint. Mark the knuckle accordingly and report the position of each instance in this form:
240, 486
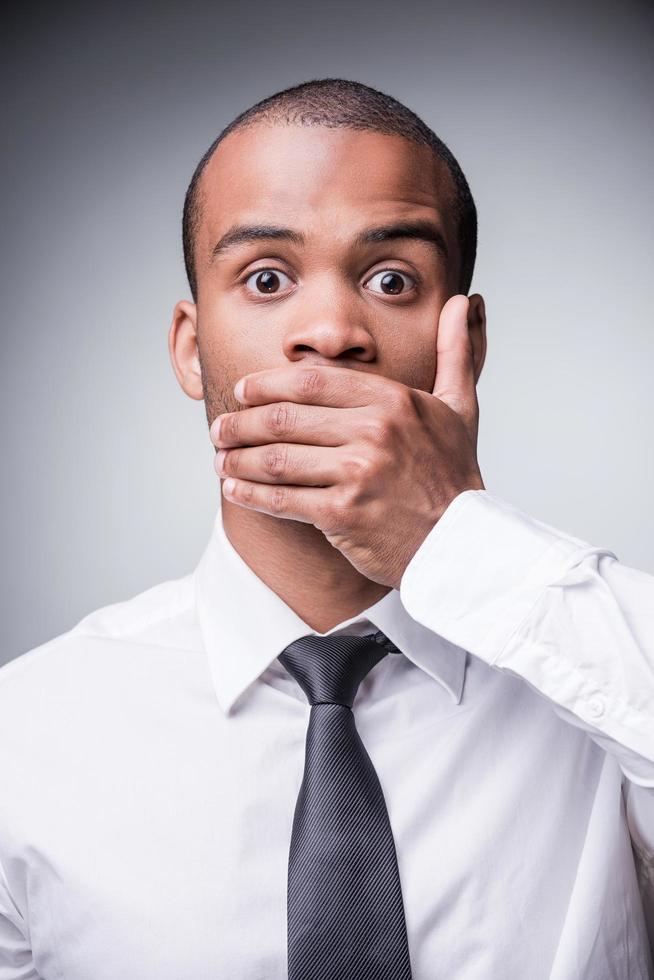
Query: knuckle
232, 462
281, 418
398, 397
278, 500
357, 467
340, 509
402, 402
232, 426
275, 460
377, 430
310, 382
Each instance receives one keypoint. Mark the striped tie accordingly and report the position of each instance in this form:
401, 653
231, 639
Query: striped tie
345, 910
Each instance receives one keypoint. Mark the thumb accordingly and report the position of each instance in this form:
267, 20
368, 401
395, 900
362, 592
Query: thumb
455, 374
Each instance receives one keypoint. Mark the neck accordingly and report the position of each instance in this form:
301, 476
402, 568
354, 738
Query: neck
298, 563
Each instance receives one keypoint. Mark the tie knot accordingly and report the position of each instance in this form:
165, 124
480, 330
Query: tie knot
329, 669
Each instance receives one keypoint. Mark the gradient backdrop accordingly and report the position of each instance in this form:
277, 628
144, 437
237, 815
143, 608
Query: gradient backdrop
108, 482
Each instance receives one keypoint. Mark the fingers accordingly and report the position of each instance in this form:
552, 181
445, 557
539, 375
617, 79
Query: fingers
317, 384
308, 504
455, 375
281, 462
285, 421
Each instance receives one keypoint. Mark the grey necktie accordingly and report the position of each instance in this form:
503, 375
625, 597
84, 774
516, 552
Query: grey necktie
345, 910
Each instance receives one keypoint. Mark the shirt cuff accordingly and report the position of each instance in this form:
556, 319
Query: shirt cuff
481, 569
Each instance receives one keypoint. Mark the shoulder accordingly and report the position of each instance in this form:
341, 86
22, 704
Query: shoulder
158, 619
73, 706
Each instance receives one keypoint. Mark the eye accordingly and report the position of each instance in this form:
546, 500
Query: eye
391, 281
265, 281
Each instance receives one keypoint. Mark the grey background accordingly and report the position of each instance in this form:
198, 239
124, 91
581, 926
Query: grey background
108, 482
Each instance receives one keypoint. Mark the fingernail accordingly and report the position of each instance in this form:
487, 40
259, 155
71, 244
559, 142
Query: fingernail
219, 460
214, 431
239, 389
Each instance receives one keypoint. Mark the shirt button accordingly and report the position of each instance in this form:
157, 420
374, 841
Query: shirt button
596, 707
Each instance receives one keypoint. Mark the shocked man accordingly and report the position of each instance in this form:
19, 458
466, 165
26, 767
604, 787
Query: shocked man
390, 726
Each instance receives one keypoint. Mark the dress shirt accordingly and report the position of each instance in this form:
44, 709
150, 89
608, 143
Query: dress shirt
151, 759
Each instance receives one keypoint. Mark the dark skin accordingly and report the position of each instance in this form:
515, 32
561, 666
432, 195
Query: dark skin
358, 422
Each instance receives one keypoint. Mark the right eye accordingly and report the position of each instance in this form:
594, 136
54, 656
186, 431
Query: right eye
265, 281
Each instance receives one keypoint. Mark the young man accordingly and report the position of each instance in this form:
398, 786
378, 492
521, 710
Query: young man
390, 726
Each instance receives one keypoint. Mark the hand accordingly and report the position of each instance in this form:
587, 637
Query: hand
370, 462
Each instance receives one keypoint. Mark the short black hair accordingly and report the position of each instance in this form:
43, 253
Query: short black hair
347, 104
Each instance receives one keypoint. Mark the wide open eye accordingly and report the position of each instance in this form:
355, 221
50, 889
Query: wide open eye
391, 282
266, 281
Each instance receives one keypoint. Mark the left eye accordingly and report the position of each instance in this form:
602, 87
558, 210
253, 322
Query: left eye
390, 281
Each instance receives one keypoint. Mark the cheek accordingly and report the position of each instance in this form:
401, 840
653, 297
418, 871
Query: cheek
229, 349
221, 368
223, 340
413, 362
423, 373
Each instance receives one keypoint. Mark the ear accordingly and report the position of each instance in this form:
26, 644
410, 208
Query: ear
183, 348
477, 332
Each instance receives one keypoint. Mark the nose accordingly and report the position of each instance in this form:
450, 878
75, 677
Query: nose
330, 326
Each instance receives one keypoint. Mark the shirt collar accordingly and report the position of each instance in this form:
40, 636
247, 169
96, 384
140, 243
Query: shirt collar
245, 625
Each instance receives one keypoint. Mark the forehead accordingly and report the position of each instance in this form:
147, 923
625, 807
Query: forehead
319, 179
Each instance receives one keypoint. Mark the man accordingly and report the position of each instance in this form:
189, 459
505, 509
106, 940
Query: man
390, 726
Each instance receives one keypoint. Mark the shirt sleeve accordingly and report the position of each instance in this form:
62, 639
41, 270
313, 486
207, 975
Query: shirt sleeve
566, 617
16, 961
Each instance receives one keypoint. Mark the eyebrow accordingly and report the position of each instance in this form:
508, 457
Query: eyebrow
417, 230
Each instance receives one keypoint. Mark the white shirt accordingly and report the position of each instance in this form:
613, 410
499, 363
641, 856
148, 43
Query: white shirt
151, 758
